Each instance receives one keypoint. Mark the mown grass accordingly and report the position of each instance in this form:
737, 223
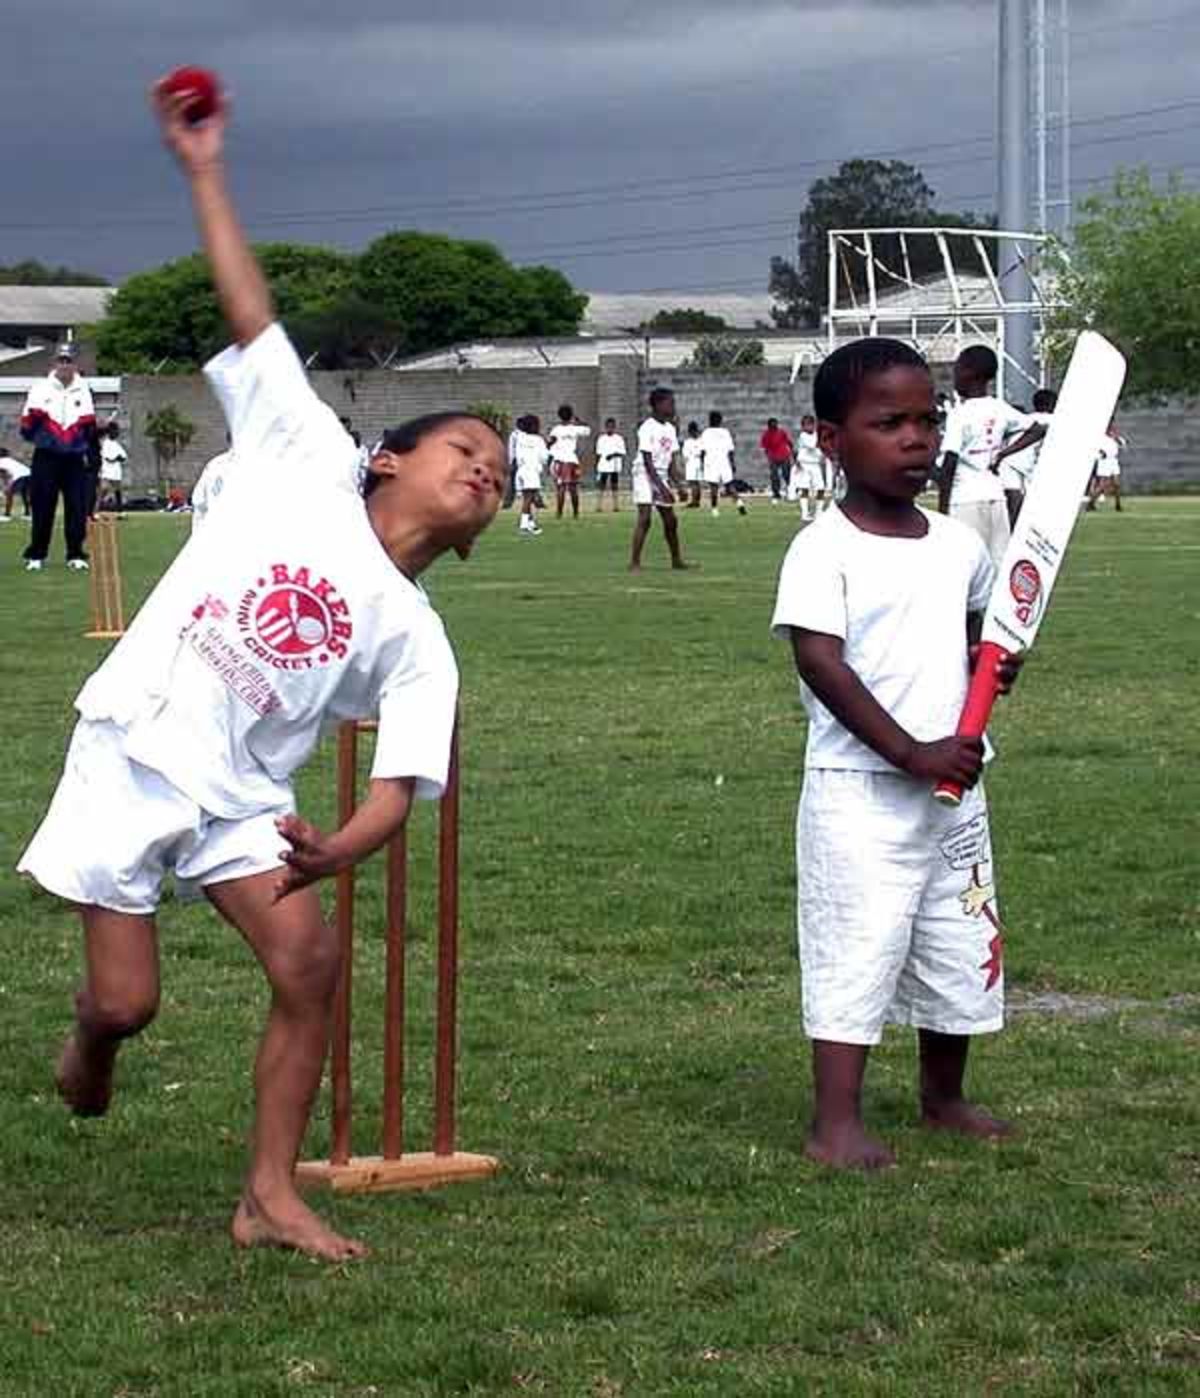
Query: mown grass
630, 1045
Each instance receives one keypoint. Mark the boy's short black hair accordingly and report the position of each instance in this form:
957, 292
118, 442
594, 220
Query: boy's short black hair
565, 412
607, 420
112, 429
660, 395
772, 422
715, 419
840, 378
1045, 400
409, 435
979, 362
694, 426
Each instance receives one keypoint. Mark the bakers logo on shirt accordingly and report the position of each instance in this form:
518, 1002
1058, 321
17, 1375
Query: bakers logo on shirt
293, 622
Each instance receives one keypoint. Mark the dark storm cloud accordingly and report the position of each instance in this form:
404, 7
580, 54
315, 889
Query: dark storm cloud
481, 118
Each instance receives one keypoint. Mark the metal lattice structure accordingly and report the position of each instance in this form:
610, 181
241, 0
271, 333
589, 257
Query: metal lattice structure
874, 290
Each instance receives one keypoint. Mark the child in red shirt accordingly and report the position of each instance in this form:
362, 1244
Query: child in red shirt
777, 446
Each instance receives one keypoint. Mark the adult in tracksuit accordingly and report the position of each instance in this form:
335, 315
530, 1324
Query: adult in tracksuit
60, 420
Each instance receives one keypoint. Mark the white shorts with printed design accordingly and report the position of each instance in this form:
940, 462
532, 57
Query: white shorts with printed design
897, 909
115, 829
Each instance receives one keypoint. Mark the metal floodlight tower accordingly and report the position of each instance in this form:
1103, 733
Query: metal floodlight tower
1016, 282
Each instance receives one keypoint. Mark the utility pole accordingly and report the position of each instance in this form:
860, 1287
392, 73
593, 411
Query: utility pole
1014, 188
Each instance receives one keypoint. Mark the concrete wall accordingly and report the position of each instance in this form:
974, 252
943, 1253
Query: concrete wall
373, 401
1163, 451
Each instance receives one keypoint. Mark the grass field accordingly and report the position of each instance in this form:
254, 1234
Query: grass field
630, 1042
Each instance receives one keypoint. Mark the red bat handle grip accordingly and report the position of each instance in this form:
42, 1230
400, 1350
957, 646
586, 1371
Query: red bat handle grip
985, 685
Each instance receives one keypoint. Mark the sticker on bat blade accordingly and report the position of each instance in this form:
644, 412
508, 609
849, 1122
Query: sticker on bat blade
1025, 584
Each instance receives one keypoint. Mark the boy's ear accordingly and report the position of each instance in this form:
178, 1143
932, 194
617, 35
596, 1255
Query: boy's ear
829, 438
384, 463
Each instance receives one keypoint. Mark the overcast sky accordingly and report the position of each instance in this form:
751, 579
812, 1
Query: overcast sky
636, 146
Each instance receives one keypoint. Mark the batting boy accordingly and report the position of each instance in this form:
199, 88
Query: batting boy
297, 603
897, 903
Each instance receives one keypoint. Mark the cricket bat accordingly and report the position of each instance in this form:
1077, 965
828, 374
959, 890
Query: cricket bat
1035, 553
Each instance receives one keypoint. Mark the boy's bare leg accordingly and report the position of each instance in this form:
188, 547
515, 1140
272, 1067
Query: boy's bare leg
299, 953
837, 1136
641, 528
573, 491
118, 998
943, 1106
671, 531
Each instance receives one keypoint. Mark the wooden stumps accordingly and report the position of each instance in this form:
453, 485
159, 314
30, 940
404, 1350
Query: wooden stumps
394, 1168
104, 578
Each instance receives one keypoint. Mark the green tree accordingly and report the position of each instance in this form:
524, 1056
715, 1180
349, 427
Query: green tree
722, 352
862, 194
1133, 273
169, 433
171, 314
349, 333
30, 272
443, 289
684, 320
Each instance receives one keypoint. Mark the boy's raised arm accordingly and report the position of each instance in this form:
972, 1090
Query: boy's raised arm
241, 287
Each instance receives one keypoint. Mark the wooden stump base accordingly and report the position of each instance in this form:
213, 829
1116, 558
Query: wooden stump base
372, 1174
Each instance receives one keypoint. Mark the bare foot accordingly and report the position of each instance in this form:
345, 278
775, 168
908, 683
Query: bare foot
635, 567
290, 1223
848, 1148
961, 1115
84, 1085
681, 566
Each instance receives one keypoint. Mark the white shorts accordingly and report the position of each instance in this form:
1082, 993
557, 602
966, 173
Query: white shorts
897, 909
115, 829
989, 519
693, 471
810, 476
720, 474
642, 493
111, 474
529, 479
1108, 471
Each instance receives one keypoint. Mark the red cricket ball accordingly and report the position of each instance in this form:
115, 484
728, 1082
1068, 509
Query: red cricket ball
200, 87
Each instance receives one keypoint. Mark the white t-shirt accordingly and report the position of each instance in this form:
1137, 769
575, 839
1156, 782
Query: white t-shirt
1016, 471
531, 456
283, 613
609, 445
564, 442
976, 429
209, 488
900, 607
717, 445
15, 470
112, 458
662, 442
808, 454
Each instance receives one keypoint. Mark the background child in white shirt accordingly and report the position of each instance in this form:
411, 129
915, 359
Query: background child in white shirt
610, 457
296, 605
532, 456
978, 426
565, 437
811, 470
1017, 461
717, 453
693, 465
657, 444
14, 475
896, 899
113, 457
